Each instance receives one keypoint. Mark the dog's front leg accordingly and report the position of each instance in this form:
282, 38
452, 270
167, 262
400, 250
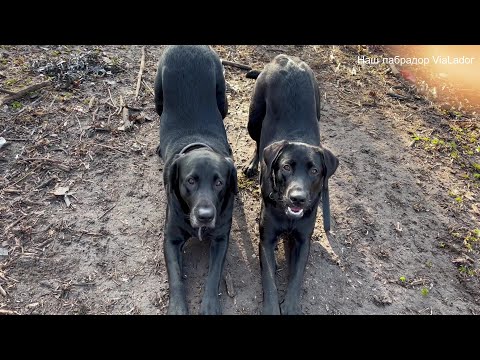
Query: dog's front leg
268, 239
299, 249
172, 245
218, 250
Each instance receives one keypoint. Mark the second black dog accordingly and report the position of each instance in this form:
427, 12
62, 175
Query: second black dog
284, 121
199, 175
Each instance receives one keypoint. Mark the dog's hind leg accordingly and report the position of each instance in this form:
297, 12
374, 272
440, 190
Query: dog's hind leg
255, 119
158, 91
299, 249
221, 94
252, 166
173, 244
210, 302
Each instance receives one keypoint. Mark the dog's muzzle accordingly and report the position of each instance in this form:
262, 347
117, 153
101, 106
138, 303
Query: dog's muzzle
203, 216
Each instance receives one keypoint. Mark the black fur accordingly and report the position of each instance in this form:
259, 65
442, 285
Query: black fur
284, 122
199, 175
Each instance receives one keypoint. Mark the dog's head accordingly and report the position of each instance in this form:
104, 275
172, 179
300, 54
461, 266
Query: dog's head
203, 182
295, 174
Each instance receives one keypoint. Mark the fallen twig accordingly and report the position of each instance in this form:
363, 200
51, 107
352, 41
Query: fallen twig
106, 212
127, 124
2, 291
398, 96
25, 91
13, 224
112, 148
57, 163
140, 73
8, 312
237, 65
229, 284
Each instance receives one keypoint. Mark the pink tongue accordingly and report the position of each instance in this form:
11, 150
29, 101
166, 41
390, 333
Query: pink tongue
296, 209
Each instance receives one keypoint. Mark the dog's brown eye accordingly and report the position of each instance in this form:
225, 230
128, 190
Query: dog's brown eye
191, 181
314, 171
218, 183
287, 167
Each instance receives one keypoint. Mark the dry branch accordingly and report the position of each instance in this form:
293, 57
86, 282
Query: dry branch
8, 312
140, 73
2, 291
237, 65
25, 91
112, 148
106, 212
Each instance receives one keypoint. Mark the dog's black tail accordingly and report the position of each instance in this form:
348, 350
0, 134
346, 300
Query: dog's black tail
252, 74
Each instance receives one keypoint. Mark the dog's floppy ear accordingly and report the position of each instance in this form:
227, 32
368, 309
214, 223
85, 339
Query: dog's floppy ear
330, 164
172, 174
233, 176
272, 152
270, 156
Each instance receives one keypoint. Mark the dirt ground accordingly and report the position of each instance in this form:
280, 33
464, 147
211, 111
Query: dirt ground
404, 206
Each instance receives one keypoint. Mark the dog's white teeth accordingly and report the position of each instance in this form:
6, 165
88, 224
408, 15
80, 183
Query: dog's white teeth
295, 211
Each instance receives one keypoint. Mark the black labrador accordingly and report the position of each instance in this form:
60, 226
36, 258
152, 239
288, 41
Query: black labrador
199, 176
284, 121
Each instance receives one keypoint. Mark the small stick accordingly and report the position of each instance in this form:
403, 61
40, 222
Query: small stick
2, 291
8, 312
112, 148
237, 65
111, 98
16, 139
14, 223
148, 87
140, 73
398, 96
25, 91
106, 212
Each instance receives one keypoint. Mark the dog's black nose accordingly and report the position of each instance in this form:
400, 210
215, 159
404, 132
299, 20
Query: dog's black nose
298, 197
205, 214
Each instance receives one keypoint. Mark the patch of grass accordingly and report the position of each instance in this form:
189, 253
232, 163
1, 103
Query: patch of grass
476, 166
459, 199
403, 279
466, 270
11, 82
476, 176
425, 291
472, 239
429, 264
17, 105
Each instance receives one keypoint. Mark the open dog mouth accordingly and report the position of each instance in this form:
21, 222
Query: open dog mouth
293, 211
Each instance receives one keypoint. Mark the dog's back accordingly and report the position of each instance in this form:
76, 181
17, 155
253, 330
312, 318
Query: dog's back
291, 96
190, 99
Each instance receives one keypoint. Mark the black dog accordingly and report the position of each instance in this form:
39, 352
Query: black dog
199, 176
284, 121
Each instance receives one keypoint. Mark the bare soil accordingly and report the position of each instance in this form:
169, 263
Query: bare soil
404, 209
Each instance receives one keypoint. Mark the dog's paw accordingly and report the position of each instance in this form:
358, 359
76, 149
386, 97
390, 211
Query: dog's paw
289, 308
271, 309
210, 307
177, 309
249, 171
